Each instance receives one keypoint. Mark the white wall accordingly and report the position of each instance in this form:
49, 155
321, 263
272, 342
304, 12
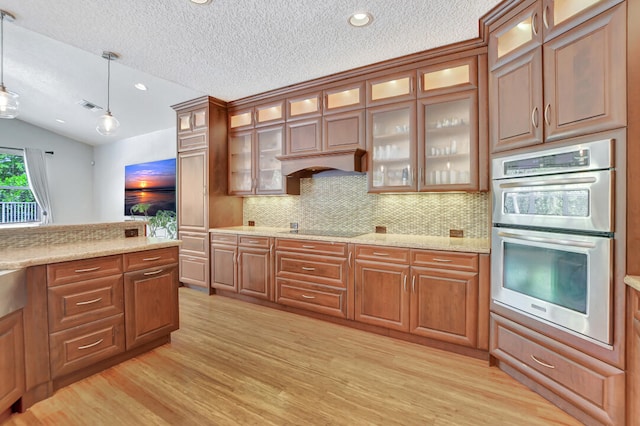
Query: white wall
69, 170
108, 184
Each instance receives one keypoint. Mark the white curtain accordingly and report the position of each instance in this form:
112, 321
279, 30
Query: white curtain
37, 175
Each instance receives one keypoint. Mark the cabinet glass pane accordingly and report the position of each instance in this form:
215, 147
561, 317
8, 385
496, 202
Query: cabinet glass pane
199, 119
240, 163
392, 148
304, 106
445, 78
239, 120
515, 37
565, 9
269, 167
390, 89
447, 143
270, 113
344, 98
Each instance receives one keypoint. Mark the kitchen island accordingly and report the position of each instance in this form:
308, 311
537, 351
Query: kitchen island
94, 299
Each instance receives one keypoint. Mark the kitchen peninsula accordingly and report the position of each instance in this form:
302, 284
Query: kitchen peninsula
93, 299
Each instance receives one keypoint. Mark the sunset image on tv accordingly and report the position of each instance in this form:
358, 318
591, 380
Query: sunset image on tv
152, 183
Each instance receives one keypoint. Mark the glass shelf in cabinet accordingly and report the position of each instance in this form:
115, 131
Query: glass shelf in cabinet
448, 156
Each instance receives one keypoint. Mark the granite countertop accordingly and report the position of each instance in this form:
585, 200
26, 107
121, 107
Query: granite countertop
632, 281
17, 258
469, 245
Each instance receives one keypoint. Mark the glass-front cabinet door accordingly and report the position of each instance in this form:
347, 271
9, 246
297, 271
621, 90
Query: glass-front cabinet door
391, 143
241, 162
269, 143
448, 150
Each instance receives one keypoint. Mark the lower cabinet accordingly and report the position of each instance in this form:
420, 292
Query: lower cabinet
12, 378
194, 259
592, 391
633, 358
151, 304
224, 252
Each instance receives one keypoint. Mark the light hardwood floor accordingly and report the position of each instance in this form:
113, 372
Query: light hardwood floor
234, 363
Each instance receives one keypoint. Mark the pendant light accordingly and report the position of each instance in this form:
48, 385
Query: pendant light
108, 124
8, 101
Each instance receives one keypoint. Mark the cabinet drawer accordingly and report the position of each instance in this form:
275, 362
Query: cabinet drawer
312, 297
194, 243
317, 247
251, 241
325, 270
383, 254
445, 259
86, 301
224, 239
79, 270
150, 258
589, 384
194, 270
85, 345
192, 141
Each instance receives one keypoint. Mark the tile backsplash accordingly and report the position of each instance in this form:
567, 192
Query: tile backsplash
342, 203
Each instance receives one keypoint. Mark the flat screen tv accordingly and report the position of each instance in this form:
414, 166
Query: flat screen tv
152, 183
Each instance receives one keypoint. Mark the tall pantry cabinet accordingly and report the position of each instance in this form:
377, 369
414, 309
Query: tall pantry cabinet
202, 200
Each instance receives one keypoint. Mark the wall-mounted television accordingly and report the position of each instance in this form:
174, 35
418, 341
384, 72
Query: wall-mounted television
153, 183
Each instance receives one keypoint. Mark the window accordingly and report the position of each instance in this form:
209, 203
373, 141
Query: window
17, 203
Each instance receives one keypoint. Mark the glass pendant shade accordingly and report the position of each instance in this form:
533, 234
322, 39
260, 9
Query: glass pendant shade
8, 104
107, 124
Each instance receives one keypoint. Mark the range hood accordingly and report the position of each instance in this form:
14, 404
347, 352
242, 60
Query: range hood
351, 160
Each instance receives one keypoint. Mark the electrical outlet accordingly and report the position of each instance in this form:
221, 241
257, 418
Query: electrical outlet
252, 223
456, 233
381, 229
293, 225
133, 232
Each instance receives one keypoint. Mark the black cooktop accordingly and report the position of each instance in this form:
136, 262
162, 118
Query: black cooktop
325, 233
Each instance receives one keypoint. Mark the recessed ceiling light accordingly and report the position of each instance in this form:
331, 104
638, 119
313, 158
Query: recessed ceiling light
140, 86
201, 1
60, 121
360, 19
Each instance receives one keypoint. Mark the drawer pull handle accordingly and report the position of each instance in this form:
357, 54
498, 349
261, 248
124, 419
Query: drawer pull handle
308, 297
91, 345
306, 268
437, 259
375, 253
151, 259
307, 246
153, 272
89, 302
542, 363
253, 242
87, 269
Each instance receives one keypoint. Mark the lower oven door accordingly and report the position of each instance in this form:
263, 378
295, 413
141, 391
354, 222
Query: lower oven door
563, 279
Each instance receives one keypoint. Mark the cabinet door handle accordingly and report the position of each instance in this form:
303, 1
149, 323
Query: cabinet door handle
375, 253
306, 268
349, 261
405, 283
437, 259
234, 258
151, 259
544, 364
89, 302
304, 296
309, 247
545, 19
153, 272
534, 24
413, 284
546, 114
87, 269
91, 345
271, 249
534, 117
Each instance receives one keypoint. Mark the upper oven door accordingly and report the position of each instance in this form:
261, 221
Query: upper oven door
578, 201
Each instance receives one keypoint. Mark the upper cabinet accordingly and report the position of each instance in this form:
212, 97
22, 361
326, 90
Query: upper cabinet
304, 124
556, 72
391, 88
192, 128
343, 121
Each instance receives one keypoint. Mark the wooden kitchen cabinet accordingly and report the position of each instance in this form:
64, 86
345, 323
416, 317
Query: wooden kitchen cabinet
391, 88
202, 185
343, 121
192, 128
572, 84
151, 302
633, 357
315, 276
224, 255
255, 267
12, 372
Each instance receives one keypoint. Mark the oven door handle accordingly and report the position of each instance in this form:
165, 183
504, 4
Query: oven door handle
549, 182
555, 241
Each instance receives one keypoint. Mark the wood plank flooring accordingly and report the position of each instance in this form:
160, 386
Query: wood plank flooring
234, 363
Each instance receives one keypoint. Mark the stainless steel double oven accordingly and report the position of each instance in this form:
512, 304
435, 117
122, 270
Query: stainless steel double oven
552, 236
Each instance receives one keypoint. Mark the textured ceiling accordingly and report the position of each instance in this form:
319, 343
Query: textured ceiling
227, 49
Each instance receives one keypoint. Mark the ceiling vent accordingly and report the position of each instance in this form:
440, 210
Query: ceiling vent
88, 105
